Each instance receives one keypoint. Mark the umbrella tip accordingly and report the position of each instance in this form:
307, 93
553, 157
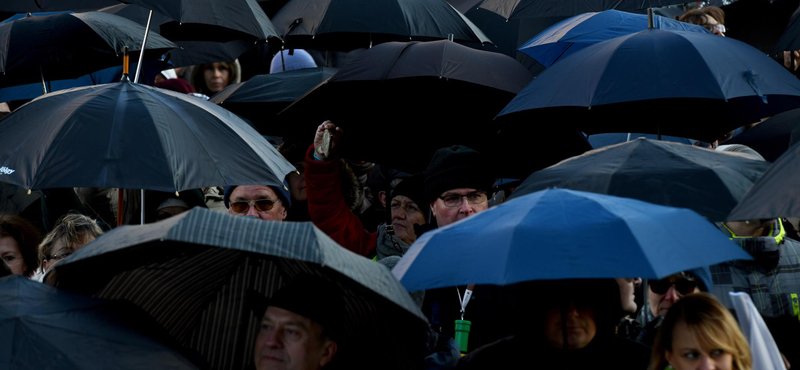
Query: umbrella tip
29, 191
650, 21
176, 194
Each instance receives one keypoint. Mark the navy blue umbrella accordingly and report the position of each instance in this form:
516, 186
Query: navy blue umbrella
575, 33
564, 234
564, 8
601, 140
48, 328
686, 84
135, 137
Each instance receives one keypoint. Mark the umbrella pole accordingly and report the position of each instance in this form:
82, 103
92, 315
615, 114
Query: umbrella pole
120, 196
283, 61
142, 222
141, 55
327, 53
44, 86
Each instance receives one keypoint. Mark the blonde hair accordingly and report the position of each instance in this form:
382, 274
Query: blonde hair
711, 324
70, 228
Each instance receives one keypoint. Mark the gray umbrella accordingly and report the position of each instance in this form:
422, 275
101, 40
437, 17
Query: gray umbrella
197, 272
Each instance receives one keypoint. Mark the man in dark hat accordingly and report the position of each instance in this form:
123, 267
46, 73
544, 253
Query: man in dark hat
457, 184
299, 327
267, 201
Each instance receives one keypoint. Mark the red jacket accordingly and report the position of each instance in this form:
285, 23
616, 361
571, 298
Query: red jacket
328, 210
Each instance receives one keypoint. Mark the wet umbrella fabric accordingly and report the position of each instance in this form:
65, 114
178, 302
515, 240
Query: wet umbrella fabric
211, 20
132, 136
371, 95
47, 328
773, 137
601, 140
260, 98
708, 182
560, 8
197, 274
69, 45
775, 193
636, 83
344, 25
564, 234
570, 35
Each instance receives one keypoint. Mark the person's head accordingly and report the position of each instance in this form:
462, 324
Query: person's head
706, 19
626, 289
292, 59
299, 328
211, 78
171, 207
405, 208
699, 333
18, 242
262, 201
457, 184
72, 232
663, 294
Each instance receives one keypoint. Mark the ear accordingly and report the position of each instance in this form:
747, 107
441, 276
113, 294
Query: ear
668, 356
44, 266
382, 198
329, 350
284, 213
433, 209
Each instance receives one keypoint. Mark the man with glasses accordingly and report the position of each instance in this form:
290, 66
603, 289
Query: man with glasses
457, 184
662, 294
267, 202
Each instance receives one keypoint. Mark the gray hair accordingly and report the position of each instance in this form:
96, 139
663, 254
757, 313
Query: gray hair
72, 229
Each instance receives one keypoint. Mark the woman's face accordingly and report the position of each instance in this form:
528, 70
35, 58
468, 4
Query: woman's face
217, 76
689, 354
12, 256
406, 214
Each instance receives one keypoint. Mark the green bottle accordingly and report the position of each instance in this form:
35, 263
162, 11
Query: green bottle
462, 335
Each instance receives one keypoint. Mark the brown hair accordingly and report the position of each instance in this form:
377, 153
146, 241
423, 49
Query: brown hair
714, 12
199, 80
698, 16
72, 229
27, 237
710, 322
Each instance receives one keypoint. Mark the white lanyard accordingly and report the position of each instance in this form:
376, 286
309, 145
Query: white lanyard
465, 300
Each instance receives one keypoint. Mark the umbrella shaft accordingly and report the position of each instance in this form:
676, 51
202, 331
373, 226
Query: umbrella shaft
141, 57
44, 86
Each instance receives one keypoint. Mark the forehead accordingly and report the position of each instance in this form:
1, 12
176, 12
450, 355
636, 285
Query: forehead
402, 199
252, 192
459, 191
710, 20
280, 315
8, 244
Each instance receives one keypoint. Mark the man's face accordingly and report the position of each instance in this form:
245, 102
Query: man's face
251, 193
581, 327
288, 341
626, 292
664, 293
446, 215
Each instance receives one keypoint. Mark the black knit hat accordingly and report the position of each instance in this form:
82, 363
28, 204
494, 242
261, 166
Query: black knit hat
413, 188
456, 167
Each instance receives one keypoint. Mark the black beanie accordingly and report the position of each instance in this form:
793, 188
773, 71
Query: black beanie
413, 188
453, 168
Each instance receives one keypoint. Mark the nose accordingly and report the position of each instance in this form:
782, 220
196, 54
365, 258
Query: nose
672, 295
637, 281
274, 339
217, 72
465, 206
706, 363
251, 211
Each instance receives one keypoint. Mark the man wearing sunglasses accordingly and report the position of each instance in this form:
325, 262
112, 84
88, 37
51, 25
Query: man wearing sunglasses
267, 202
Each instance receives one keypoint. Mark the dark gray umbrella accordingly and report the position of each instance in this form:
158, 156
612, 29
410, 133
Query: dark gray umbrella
564, 8
344, 25
677, 175
775, 193
772, 137
196, 274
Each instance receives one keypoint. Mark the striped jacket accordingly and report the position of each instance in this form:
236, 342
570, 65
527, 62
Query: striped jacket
772, 279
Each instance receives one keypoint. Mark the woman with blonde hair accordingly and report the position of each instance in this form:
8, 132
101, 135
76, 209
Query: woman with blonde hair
699, 333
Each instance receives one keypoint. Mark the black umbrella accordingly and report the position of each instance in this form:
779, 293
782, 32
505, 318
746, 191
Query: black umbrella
135, 137
400, 102
69, 45
790, 39
260, 98
677, 175
211, 20
195, 273
772, 137
47, 328
189, 52
565, 8
344, 25
775, 193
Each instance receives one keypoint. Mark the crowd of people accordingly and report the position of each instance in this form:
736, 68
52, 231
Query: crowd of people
683, 321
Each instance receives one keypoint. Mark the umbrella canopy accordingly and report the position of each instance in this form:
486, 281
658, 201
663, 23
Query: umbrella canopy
194, 273
260, 98
601, 140
44, 327
790, 39
575, 33
135, 137
708, 182
344, 25
560, 8
775, 193
773, 137
69, 45
392, 84
649, 81
211, 20
564, 234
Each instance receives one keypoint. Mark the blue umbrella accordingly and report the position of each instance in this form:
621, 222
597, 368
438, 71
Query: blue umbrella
601, 140
678, 83
575, 33
564, 234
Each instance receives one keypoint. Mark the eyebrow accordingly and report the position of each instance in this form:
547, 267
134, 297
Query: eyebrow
297, 323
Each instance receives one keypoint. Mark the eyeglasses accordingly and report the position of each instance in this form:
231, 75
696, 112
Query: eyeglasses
454, 200
59, 256
713, 28
12, 260
683, 286
262, 205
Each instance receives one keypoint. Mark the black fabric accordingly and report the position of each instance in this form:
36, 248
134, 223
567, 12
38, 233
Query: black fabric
314, 298
412, 188
456, 167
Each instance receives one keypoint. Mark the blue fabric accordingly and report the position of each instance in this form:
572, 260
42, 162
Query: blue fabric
575, 33
563, 234
601, 140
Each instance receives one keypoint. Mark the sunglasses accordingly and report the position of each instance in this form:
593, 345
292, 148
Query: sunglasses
683, 286
262, 205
